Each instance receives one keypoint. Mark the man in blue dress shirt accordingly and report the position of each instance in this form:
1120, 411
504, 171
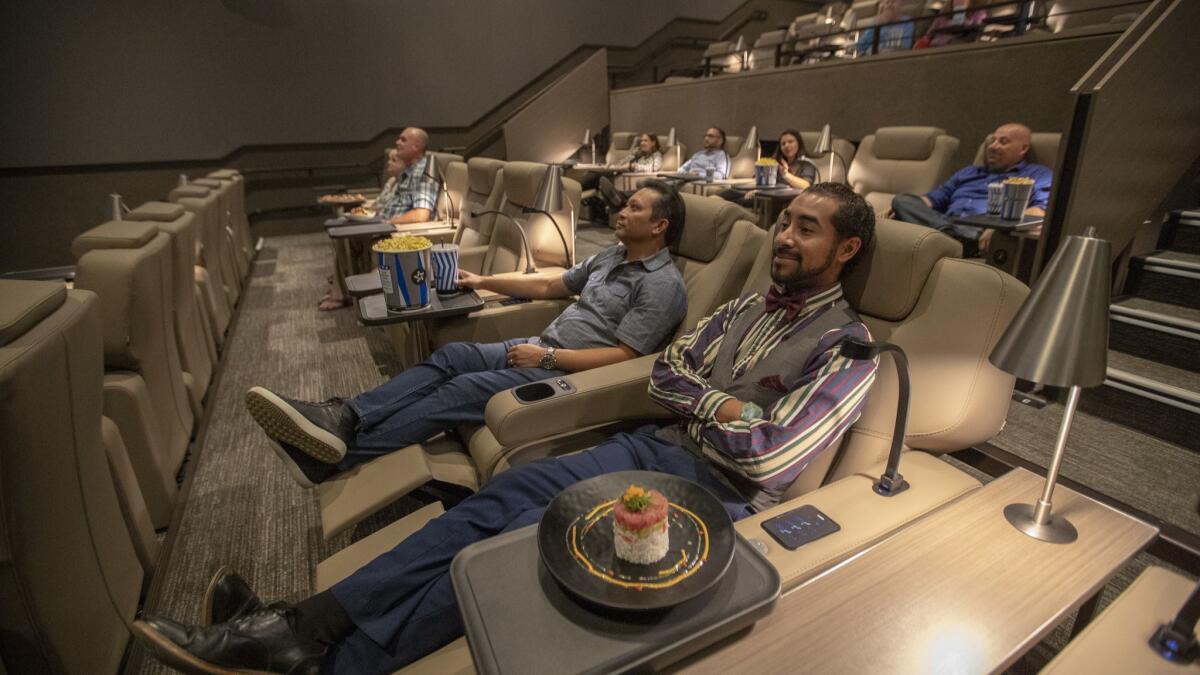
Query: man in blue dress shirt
965, 194
710, 157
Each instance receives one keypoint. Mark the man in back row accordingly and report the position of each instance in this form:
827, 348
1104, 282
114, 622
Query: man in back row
711, 156
631, 298
759, 388
966, 193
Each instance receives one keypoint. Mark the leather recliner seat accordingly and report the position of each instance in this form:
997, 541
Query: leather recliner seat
714, 255
900, 159
240, 222
842, 149
239, 258
127, 264
485, 192
190, 336
69, 576
219, 266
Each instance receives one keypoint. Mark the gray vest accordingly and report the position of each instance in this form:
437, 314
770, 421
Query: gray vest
785, 361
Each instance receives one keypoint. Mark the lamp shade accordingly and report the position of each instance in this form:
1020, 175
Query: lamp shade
671, 137
751, 139
549, 193
587, 137
1060, 335
825, 142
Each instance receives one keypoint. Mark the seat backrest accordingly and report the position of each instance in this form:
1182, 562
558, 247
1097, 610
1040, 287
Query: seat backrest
178, 223
900, 159
743, 155
1043, 149
673, 155
126, 263
843, 155
714, 254
620, 145
70, 577
762, 56
505, 250
455, 177
451, 180
485, 190
203, 203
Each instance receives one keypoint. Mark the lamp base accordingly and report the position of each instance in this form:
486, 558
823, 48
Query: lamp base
1056, 530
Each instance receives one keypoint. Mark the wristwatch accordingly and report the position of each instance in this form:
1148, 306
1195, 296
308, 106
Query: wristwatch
549, 362
751, 412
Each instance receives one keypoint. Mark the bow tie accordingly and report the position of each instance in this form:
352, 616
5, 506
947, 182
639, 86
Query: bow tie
791, 303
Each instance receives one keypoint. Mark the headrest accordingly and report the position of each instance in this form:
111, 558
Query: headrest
706, 225
1043, 149
207, 182
911, 143
718, 49
481, 174
189, 190
224, 174
889, 276
771, 38
114, 234
163, 212
624, 140
24, 303
521, 181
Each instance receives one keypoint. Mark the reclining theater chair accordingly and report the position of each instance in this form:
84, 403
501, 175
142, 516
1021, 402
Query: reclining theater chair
910, 289
714, 255
485, 192
216, 274
127, 264
1043, 149
69, 577
239, 256
900, 159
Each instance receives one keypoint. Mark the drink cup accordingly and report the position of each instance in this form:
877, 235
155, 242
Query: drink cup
709, 173
1016, 199
995, 198
445, 268
404, 276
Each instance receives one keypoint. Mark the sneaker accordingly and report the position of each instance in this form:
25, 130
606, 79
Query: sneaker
323, 431
615, 200
306, 471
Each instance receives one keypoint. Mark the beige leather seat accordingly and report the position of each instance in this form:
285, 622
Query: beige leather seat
900, 159
485, 192
239, 256
190, 337
240, 221
719, 58
714, 255
620, 145
70, 577
946, 313
127, 264
770, 43
1043, 149
218, 273
843, 151
455, 176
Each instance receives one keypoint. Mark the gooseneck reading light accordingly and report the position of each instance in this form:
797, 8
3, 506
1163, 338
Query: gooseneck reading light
891, 483
549, 199
529, 268
1059, 337
432, 174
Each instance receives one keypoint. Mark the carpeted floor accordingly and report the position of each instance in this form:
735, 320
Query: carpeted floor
242, 507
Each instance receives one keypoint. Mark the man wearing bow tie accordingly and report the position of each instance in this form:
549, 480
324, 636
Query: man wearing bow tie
759, 389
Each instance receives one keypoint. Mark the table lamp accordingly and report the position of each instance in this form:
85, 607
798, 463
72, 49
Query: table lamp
589, 142
891, 483
1059, 337
548, 200
752, 143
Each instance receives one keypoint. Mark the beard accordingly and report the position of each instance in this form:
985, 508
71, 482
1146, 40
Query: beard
802, 277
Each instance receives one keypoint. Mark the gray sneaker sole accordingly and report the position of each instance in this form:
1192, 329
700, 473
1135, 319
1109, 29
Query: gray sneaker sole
284, 424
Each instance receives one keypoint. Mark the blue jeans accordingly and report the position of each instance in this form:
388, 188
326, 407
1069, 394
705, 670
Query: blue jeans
911, 208
403, 602
451, 387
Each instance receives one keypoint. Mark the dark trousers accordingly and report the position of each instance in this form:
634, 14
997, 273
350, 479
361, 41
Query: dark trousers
451, 387
403, 602
912, 209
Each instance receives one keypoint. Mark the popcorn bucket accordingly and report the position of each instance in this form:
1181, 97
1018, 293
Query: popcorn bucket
1017, 192
445, 268
404, 271
766, 173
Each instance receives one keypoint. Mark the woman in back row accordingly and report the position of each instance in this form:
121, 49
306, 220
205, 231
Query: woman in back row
795, 170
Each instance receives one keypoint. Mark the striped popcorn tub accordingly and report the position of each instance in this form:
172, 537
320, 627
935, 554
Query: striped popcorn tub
445, 268
404, 271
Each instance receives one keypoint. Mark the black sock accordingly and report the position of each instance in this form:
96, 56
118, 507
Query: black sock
322, 618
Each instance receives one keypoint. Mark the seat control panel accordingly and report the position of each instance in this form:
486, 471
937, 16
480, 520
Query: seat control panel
800, 526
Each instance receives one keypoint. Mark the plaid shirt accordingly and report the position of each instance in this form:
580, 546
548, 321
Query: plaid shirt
410, 190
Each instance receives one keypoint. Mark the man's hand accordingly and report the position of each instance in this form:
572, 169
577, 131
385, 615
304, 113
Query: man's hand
526, 356
985, 239
729, 411
470, 279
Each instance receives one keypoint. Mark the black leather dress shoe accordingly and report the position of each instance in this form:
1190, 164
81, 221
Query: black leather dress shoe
263, 641
323, 431
228, 597
615, 200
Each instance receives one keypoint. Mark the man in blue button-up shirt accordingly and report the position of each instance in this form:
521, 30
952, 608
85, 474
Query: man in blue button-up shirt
710, 157
965, 194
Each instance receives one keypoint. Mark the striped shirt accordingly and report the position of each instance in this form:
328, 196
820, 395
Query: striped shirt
410, 190
812, 415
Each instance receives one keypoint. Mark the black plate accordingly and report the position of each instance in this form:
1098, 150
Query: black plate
697, 519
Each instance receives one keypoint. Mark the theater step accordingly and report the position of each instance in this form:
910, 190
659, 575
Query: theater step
1157, 331
1181, 232
1153, 398
1166, 276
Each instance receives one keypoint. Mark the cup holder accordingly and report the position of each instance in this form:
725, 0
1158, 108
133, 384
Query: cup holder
539, 391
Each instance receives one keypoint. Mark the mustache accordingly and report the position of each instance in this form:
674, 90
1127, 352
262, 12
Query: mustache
785, 252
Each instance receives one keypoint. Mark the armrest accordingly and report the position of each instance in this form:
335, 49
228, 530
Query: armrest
496, 322
601, 395
864, 516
